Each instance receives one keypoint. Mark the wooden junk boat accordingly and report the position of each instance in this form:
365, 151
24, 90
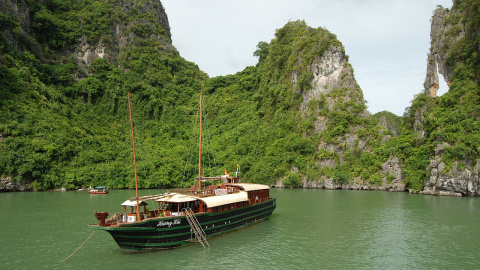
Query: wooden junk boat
98, 190
187, 216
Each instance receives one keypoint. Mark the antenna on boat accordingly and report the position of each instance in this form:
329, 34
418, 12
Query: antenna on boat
200, 147
134, 157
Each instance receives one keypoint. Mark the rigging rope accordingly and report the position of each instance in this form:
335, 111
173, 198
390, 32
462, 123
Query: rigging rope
78, 247
190, 157
209, 162
212, 167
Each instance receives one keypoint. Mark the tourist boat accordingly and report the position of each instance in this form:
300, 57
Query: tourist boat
187, 216
98, 190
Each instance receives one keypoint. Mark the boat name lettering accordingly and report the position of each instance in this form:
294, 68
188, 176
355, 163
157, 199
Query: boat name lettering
168, 223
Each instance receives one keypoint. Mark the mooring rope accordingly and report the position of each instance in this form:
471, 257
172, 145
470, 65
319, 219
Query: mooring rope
79, 247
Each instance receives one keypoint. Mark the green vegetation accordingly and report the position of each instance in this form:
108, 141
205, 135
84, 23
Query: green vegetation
452, 120
271, 137
62, 132
391, 122
64, 122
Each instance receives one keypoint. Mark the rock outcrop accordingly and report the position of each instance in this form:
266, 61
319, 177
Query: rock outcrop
459, 177
7, 184
125, 33
442, 35
114, 46
392, 180
334, 83
109, 45
21, 12
456, 181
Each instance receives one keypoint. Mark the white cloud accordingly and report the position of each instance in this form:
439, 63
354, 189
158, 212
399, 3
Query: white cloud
387, 41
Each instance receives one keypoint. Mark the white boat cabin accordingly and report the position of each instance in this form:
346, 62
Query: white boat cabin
215, 199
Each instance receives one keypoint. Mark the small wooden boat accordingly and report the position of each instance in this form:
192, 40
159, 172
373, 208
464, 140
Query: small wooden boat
98, 190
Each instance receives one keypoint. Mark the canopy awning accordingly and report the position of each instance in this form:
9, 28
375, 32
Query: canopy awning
225, 199
177, 198
249, 187
134, 203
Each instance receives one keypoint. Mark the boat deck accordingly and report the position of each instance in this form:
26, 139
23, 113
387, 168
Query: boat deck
214, 190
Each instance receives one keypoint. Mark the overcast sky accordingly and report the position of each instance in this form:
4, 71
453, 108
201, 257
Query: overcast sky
387, 41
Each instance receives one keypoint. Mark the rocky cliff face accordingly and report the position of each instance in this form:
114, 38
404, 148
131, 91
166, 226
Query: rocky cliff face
333, 83
123, 27
20, 12
457, 181
448, 32
114, 46
392, 168
390, 122
131, 21
8, 184
446, 28
331, 72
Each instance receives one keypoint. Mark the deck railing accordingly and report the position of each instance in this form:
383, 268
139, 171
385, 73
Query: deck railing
210, 191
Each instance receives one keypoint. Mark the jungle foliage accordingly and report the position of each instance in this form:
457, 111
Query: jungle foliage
451, 121
66, 125
61, 131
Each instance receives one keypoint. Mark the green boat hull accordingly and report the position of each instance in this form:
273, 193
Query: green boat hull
171, 232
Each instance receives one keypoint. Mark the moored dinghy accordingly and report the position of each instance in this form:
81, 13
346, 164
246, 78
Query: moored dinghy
98, 190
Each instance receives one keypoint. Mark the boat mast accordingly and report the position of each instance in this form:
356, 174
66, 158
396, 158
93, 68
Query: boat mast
134, 157
200, 147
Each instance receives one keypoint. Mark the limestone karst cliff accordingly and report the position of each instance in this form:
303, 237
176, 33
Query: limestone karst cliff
65, 69
133, 23
334, 83
102, 30
317, 83
450, 123
296, 119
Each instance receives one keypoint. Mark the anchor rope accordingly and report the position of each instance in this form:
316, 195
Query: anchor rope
78, 247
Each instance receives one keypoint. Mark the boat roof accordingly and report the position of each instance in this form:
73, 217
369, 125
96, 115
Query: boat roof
225, 199
249, 187
213, 201
177, 198
101, 187
133, 203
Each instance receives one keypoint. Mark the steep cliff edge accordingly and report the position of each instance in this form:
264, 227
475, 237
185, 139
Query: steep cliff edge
65, 70
299, 117
132, 25
443, 33
450, 124
334, 85
306, 76
296, 119
102, 30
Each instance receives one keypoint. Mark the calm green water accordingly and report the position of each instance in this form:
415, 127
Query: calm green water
310, 229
